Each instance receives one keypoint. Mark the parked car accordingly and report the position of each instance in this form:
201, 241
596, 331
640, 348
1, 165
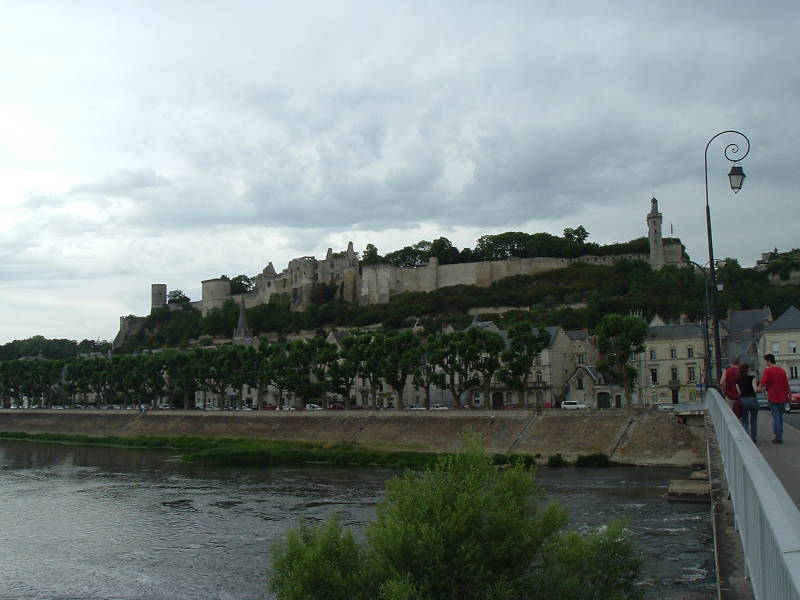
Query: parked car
313, 407
573, 405
415, 407
665, 406
269, 407
437, 406
794, 390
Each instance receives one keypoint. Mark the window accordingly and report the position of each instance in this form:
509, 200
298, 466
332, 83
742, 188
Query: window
673, 353
538, 359
690, 371
652, 354
690, 352
793, 372
653, 375
539, 378
579, 383
776, 348
673, 374
792, 347
579, 359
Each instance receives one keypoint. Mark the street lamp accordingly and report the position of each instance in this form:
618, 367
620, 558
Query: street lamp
736, 177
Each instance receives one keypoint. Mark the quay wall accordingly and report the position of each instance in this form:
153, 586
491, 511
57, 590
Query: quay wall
638, 437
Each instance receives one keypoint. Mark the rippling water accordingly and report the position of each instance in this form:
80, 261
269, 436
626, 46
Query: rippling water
82, 523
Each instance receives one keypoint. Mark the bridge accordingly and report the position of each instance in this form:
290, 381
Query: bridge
763, 483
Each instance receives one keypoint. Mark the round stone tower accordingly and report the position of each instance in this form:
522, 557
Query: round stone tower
654, 235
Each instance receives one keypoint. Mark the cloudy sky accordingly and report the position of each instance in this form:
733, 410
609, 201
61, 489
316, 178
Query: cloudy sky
172, 142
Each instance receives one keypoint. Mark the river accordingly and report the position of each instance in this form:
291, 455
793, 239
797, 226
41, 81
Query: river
88, 523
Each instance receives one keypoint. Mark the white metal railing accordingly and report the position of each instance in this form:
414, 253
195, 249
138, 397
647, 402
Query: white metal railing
766, 517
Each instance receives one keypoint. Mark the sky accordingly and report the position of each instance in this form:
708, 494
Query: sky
170, 142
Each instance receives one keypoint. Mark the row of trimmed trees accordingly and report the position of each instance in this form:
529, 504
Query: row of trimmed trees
308, 369
458, 362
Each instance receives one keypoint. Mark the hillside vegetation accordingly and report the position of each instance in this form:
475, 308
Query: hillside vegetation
574, 297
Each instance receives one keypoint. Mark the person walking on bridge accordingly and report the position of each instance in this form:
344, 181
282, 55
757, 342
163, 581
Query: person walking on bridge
749, 402
727, 384
777, 383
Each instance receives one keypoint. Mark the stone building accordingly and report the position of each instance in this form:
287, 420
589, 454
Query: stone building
781, 339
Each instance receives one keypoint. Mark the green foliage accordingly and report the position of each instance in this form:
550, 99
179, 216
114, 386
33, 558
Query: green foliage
332, 562
242, 284
177, 297
601, 566
556, 461
42, 347
461, 529
591, 461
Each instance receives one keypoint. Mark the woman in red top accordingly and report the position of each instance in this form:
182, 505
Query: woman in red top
777, 383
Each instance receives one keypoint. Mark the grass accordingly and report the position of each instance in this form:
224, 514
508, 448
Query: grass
238, 452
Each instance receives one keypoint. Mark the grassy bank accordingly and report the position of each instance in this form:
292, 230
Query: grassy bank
228, 452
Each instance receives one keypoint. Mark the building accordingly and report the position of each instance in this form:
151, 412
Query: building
672, 366
781, 339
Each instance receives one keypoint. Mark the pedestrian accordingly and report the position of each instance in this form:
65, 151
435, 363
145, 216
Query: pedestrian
727, 384
777, 383
747, 390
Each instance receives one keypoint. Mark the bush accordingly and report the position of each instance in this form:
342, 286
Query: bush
592, 460
556, 460
461, 529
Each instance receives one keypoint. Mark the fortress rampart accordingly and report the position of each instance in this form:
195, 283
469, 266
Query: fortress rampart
377, 284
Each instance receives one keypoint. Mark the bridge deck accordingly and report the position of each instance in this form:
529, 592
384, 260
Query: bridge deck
783, 458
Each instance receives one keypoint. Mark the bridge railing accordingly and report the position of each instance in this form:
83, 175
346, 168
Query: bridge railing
766, 517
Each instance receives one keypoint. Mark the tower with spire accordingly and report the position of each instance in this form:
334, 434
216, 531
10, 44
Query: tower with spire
242, 335
654, 235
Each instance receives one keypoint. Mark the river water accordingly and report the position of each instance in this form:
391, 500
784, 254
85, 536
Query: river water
86, 523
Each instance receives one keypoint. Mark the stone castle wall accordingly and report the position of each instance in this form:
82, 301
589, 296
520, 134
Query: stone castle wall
377, 284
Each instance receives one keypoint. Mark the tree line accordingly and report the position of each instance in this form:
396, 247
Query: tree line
459, 361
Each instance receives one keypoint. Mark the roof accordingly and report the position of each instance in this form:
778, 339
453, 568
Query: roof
675, 331
578, 334
790, 319
747, 320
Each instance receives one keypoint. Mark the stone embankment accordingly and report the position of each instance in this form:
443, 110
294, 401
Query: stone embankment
639, 437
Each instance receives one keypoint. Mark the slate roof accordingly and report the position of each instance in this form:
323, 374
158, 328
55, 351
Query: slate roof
578, 334
790, 319
675, 331
747, 320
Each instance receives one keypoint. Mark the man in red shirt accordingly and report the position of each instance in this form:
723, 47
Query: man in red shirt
777, 383
727, 383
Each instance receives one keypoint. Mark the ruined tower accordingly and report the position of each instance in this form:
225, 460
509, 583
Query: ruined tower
158, 296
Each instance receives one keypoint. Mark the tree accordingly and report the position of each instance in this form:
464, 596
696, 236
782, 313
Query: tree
370, 256
525, 344
177, 297
400, 356
577, 235
489, 345
241, 284
456, 357
618, 337
461, 529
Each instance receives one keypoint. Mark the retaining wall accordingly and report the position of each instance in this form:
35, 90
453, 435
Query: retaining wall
645, 437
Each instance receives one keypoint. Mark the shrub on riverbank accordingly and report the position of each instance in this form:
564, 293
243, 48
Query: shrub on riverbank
597, 460
250, 453
460, 529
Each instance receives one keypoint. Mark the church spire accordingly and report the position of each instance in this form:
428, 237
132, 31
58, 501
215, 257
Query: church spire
242, 335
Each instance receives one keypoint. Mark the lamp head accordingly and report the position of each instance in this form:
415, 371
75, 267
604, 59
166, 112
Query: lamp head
736, 177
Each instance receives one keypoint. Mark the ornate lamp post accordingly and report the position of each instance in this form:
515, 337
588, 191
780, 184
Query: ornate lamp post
736, 177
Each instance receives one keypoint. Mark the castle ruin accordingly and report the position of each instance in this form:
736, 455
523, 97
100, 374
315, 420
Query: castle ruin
377, 284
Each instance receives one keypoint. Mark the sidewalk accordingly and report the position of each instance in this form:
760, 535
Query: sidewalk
783, 458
